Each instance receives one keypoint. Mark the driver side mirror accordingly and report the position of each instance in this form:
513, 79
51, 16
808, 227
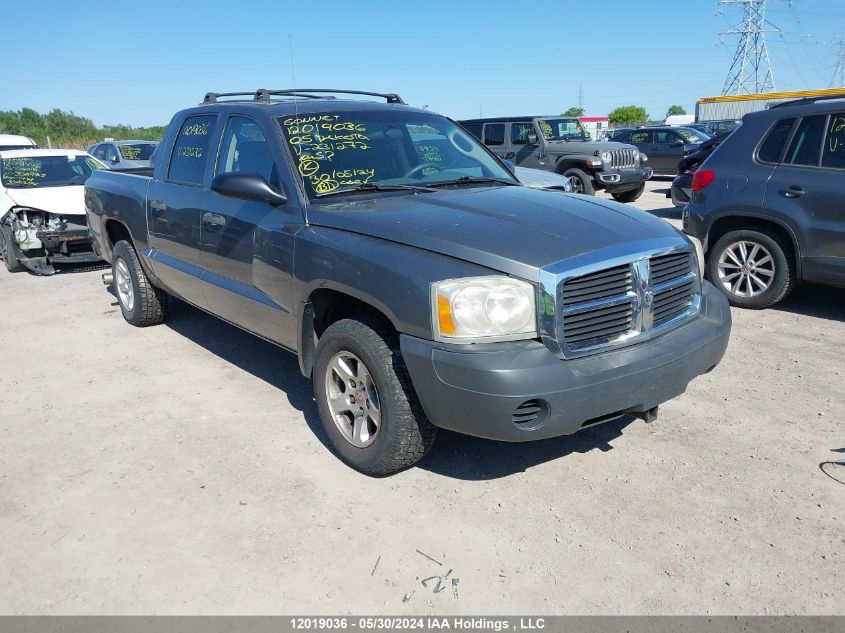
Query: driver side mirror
247, 186
509, 164
677, 143
531, 139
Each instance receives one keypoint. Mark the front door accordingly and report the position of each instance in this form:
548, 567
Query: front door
174, 208
494, 138
642, 140
247, 245
667, 149
525, 154
807, 187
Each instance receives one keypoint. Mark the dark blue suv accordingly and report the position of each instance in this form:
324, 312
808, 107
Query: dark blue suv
769, 203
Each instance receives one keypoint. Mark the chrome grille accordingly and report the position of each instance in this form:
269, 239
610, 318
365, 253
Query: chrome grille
623, 158
603, 308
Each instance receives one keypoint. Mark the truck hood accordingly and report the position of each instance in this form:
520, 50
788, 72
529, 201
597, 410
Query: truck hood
59, 200
584, 147
516, 230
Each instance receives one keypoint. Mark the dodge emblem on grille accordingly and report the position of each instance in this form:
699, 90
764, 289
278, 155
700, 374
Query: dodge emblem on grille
648, 296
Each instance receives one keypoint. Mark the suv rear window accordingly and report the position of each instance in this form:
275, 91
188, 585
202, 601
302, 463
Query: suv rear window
833, 154
806, 144
190, 152
772, 147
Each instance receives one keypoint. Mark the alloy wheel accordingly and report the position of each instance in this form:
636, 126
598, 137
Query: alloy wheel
123, 284
353, 399
746, 269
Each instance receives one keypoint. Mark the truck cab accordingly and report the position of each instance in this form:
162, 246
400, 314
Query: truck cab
562, 145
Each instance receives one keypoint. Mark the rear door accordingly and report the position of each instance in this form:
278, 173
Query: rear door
641, 139
808, 187
247, 245
175, 202
525, 154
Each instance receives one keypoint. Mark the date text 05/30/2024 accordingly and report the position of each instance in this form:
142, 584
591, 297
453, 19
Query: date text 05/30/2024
418, 623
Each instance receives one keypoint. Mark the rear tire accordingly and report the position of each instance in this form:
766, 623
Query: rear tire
7, 251
581, 182
753, 268
629, 196
141, 303
365, 398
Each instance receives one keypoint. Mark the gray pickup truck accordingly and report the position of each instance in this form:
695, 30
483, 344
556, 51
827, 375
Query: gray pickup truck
560, 144
420, 285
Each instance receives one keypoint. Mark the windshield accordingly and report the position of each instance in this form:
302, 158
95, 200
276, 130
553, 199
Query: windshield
561, 129
46, 171
136, 151
691, 135
343, 151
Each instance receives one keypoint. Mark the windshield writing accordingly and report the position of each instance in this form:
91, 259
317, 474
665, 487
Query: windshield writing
561, 129
46, 171
141, 151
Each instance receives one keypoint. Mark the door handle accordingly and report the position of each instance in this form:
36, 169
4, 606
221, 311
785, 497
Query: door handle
793, 192
213, 220
158, 205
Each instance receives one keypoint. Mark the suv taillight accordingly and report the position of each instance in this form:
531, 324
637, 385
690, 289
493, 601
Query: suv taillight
702, 179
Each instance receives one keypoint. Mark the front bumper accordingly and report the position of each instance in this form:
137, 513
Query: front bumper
71, 246
621, 181
477, 391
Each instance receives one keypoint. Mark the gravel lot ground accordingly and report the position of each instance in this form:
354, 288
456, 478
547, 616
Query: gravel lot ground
182, 469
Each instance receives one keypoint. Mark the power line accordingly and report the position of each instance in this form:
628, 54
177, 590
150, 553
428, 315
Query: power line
751, 68
838, 79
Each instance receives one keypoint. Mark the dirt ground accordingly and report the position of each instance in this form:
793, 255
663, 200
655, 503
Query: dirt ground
182, 469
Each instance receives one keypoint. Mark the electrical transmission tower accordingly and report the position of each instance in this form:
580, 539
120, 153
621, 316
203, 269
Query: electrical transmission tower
838, 80
751, 69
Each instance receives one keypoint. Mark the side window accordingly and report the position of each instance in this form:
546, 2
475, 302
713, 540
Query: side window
190, 152
494, 134
772, 147
643, 136
474, 129
833, 153
520, 132
111, 152
665, 137
245, 149
100, 152
806, 143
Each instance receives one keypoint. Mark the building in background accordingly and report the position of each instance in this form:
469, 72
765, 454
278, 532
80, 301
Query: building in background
734, 107
595, 125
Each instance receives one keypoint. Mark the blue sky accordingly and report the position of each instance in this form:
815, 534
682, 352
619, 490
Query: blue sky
139, 62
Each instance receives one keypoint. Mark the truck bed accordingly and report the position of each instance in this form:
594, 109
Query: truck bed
112, 195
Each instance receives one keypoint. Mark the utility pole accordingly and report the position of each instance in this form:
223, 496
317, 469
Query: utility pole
838, 80
751, 69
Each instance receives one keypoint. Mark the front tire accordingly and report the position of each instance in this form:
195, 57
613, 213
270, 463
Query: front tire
365, 398
752, 267
629, 196
141, 303
581, 181
8, 253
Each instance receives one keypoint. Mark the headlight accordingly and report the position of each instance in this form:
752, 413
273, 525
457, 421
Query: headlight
606, 157
483, 309
699, 254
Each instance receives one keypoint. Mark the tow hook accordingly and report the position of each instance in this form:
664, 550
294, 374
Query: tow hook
649, 416
108, 279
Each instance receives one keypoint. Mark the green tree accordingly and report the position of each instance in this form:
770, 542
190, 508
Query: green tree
628, 115
575, 111
675, 109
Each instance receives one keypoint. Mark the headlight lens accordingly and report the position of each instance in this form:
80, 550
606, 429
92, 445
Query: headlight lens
479, 309
606, 157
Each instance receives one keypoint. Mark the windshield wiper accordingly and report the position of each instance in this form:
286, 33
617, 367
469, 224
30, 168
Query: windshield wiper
471, 180
371, 186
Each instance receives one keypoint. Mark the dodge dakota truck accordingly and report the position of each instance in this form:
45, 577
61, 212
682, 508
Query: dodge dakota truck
419, 283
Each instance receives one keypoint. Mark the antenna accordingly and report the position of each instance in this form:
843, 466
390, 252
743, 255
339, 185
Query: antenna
751, 69
838, 79
293, 77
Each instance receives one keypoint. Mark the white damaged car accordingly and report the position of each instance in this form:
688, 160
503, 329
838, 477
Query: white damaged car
42, 209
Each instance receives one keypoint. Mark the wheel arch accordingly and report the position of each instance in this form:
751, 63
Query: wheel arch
739, 222
326, 304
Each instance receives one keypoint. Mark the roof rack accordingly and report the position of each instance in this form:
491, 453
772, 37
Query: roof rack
806, 101
262, 94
